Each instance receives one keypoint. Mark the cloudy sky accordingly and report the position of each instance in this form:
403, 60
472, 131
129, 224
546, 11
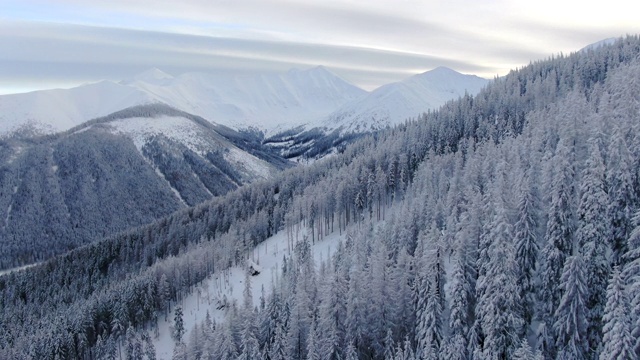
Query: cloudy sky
63, 43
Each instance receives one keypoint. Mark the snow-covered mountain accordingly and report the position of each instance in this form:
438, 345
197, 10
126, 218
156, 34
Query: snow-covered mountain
116, 172
268, 102
393, 103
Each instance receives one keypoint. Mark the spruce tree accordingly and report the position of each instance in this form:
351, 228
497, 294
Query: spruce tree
501, 314
622, 197
617, 342
458, 317
559, 242
525, 233
592, 235
571, 316
632, 275
524, 352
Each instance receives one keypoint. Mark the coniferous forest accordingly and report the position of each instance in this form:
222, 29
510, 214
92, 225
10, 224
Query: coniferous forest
502, 226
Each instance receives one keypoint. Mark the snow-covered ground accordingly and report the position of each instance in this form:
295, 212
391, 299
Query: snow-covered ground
230, 284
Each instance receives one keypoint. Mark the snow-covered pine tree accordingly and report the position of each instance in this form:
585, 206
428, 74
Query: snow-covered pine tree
617, 342
313, 353
379, 309
401, 280
430, 296
592, 236
632, 275
571, 316
458, 317
525, 231
328, 317
500, 314
178, 325
249, 346
227, 349
524, 352
559, 241
621, 194
351, 352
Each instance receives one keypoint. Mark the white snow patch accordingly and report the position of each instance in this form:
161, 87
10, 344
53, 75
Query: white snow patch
175, 191
6, 219
179, 129
248, 162
16, 269
229, 284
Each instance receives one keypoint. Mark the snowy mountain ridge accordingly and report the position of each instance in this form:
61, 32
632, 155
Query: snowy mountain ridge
266, 101
271, 103
393, 103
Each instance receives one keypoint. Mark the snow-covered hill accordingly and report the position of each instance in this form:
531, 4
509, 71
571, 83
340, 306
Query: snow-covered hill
268, 102
395, 102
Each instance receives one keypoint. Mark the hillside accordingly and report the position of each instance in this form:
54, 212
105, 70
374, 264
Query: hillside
114, 173
499, 226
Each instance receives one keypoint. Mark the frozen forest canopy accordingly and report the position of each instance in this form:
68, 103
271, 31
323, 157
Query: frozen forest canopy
501, 226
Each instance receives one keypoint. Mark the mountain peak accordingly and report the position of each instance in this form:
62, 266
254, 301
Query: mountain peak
444, 75
599, 44
442, 69
152, 75
319, 70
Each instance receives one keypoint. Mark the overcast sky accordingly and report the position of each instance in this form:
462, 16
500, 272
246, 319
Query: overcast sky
63, 43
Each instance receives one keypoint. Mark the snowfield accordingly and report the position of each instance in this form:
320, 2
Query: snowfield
182, 130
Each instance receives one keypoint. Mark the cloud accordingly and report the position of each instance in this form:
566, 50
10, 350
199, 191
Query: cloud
87, 53
366, 42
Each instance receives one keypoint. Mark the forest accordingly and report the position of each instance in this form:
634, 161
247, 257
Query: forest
501, 226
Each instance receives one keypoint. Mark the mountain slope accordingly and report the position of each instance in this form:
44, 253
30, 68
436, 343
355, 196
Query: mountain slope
394, 103
388, 105
114, 173
265, 102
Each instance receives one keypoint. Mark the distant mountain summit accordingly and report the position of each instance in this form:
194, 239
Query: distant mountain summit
393, 103
599, 44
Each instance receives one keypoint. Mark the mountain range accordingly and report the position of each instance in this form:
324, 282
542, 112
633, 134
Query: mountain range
66, 155
270, 103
